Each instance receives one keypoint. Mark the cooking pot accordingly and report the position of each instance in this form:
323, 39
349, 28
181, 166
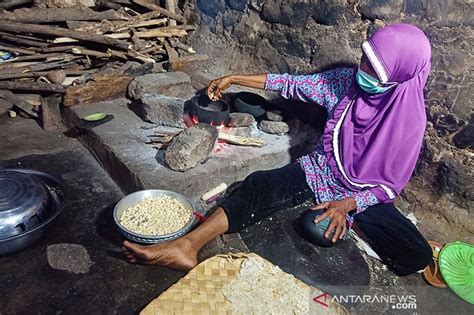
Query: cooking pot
29, 201
208, 111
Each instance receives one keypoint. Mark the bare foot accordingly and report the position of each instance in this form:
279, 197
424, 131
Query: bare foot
178, 254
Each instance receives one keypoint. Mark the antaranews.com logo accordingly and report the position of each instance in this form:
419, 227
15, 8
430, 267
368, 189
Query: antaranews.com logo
395, 301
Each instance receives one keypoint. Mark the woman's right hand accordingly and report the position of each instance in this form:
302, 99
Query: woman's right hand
215, 88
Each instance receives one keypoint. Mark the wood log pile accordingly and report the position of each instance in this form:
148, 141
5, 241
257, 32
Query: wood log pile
46, 46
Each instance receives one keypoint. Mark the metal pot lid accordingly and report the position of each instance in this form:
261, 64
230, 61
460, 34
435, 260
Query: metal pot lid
24, 202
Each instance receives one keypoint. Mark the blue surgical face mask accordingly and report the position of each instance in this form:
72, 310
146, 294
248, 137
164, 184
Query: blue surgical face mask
370, 84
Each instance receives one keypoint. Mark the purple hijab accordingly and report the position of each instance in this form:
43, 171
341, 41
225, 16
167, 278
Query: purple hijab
373, 140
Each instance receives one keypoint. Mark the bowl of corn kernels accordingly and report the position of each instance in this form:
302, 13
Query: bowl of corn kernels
153, 216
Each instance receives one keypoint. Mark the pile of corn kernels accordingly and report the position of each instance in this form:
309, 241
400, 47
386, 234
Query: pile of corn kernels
156, 216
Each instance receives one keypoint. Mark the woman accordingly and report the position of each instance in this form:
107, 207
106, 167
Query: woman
365, 157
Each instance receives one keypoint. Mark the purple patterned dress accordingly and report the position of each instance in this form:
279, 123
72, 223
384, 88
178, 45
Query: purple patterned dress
326, 89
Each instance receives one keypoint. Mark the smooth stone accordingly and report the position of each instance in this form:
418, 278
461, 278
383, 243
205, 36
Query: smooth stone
240, 120
191, 147
274, 127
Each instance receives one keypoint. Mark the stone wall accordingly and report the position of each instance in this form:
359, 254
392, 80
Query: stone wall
248, 36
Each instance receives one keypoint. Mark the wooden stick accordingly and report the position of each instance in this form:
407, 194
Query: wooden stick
151, 6
175, 43
142, 24
155, 49
17, 50
23, 41
51, 113
135, 19
171, 6
6, 4
41, 56
31, 86
244, 141
17, 101
61, 32
158, 32
34, 74
53, 15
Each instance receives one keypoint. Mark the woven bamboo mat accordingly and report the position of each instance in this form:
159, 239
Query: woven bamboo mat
199, 292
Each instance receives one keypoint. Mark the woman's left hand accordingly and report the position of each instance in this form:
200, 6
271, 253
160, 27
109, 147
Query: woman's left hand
336, 210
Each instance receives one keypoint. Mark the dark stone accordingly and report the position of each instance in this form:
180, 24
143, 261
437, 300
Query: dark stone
326, 14
294, 15
446, 124
454, 178
238, 5
175, 84
135, 69
274, 127
465, 138
191, 147
211, 7
231, 18
240, 120
162, 110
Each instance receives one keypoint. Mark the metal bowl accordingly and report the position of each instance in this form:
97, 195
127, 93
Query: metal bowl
29, 201
134, 198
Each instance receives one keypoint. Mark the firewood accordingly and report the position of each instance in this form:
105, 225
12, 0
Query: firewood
158, 32
52, 15
6, 4
38, 56
17, 50
50, 113
136, 19
243, 141
14, 27
172, 53
101, 88
22, 41
9, 97
151, 6
175, 43
31, 86
171, 6
155, 49
183, 63
42, 73
142, 24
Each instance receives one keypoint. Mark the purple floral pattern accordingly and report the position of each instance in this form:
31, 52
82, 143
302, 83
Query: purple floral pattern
326, 89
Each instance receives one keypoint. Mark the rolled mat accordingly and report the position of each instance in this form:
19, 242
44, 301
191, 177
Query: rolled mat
200, 291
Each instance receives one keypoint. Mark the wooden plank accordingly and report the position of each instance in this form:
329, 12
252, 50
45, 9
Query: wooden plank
50, 113
101, 88
14, 27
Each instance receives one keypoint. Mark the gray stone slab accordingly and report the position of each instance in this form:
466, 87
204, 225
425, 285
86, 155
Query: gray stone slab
120, 146
175, 84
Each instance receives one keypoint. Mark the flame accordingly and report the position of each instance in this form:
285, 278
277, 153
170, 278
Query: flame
195, 120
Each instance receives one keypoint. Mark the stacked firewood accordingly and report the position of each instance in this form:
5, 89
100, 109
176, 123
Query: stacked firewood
48, 45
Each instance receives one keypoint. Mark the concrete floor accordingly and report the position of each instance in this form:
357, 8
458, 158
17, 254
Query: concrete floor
108, 284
